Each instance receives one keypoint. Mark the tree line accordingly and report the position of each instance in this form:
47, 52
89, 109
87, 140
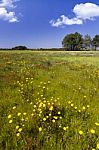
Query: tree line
75, 41
71, 42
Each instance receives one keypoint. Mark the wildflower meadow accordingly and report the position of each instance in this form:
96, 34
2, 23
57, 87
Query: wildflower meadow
49, 100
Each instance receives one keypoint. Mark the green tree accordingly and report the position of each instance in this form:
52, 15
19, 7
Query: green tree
20, 48
87, 42
73, 42
95, 42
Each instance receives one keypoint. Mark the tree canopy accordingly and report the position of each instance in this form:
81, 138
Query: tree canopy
75, 41
19, 48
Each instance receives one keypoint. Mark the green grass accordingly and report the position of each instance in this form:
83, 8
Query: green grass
53, 97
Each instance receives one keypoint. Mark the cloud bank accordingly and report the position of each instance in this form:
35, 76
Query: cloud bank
7, 10
82, 12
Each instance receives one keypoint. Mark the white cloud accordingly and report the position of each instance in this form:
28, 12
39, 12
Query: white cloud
6, 13
63, 20
86, 11
82, 12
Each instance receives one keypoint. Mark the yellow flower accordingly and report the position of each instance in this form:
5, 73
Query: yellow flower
55, 117
88, 106
80, 132
18, 134
20, 129
17, 127
92, 131
32, 114
83, 108
10, 121
85, 96
75, 107
60, 117
44, 119
96, 123
65, 128
34, 106
44, 105
53, 121
59, 113
49, 114
93, 148
40, 129
22, 119
24, 113
72, 105
51, 108
98, 145
19, 114
14, 107
9, 116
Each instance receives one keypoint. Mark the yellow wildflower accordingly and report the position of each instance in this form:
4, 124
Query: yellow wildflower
18, 134
92, 131
88, 106
10, 121
9, 116
98, 145
85, 96
14, 107
96, 123
65, 128
24, 113
51, 108
40, 129
19, 114
53, 121
20, 129
59, 113
75, 107
44, 119
17, 127
69, 102
55, 117
80, 132
72, 105
32, 114
83, 108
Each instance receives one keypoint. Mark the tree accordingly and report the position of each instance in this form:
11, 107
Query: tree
87, 42
20, 48
95, 42
73, 42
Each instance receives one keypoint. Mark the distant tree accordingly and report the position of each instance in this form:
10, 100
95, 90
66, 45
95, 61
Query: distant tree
73, 42
87, 42
95, 42
20, 48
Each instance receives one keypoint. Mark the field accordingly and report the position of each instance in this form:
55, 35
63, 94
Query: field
49, 100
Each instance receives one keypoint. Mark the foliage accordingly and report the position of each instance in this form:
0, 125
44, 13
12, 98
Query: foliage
96, 41
20, 48
73, 41
87, 42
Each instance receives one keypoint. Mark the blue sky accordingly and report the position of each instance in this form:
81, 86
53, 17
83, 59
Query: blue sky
44, 23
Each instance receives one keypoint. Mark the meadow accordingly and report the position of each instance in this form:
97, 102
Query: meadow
49, 100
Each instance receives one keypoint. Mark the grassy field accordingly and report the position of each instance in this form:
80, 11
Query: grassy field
49, 100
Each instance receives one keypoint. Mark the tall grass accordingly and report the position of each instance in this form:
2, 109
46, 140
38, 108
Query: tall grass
49, 100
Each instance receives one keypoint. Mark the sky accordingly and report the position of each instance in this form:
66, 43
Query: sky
44, 23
